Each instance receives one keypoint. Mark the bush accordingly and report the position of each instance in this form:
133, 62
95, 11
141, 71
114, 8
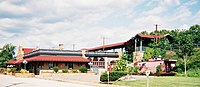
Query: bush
168, 74
120, 65
13, 70
136, 69
8, 70
83, 70
130, 69
24, 71
55, 69
113, 76
193, 73
65, 71
74, 71
1, 70
158, 70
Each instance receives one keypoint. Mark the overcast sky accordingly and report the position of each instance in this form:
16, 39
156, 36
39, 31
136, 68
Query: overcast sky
46, 23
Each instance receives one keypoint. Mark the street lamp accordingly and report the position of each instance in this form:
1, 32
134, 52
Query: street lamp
90, 64
25, 62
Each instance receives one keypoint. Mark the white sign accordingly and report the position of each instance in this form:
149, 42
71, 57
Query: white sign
147, 72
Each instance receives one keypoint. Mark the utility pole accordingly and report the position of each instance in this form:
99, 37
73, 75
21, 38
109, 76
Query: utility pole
73, 46
156, 34
103, 42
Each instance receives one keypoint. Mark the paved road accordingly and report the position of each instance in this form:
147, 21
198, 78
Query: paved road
72, 77
10, 81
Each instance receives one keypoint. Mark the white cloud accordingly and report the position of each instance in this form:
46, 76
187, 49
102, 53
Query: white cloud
46, 23
156, 10
8, 7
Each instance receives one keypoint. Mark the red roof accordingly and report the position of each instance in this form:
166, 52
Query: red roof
151, 36
27, 50
14, 61
106, 46
58, 58
51, 59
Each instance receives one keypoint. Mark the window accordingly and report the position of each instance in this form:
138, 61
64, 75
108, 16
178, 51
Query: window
80, 64
50, 65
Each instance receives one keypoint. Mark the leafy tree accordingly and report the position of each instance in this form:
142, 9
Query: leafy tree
128, 57
160, 47
195, 32
120, 66
144, 32
6, 54
170, 55
148, 54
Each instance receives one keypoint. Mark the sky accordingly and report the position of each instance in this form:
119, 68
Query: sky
47, 23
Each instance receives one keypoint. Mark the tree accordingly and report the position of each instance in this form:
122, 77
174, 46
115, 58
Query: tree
120, 66
148, 54
170, 55
144, 32
6, 54
195, 32
160, 47
186, 46
128, 57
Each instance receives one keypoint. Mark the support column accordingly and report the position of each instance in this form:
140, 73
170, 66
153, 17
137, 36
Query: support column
140, 45
98, 63
135, 45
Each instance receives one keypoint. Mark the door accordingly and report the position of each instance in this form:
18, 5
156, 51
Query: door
70, 65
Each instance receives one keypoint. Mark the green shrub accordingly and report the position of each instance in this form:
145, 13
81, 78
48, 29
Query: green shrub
74, 71
136, 69
8, 70
24, 71
193, 73
65, 71
130, 69
1, 70
158, 70
113, 76
55, 69
142, 73
13, 70
120, 65
168, 74
83, 70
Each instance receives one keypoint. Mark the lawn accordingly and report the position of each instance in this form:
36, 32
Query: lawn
163, 82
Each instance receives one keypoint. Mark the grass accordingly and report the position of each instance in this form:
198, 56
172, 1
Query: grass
163, 82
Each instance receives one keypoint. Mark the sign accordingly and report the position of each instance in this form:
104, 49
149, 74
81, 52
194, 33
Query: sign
147, 72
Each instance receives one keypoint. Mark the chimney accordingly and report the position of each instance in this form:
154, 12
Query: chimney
61, 46
20, 53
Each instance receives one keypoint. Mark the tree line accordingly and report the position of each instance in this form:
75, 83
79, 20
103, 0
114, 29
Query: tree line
6, 53
181, 47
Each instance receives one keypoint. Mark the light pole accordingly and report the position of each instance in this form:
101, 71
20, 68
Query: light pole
25, 62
